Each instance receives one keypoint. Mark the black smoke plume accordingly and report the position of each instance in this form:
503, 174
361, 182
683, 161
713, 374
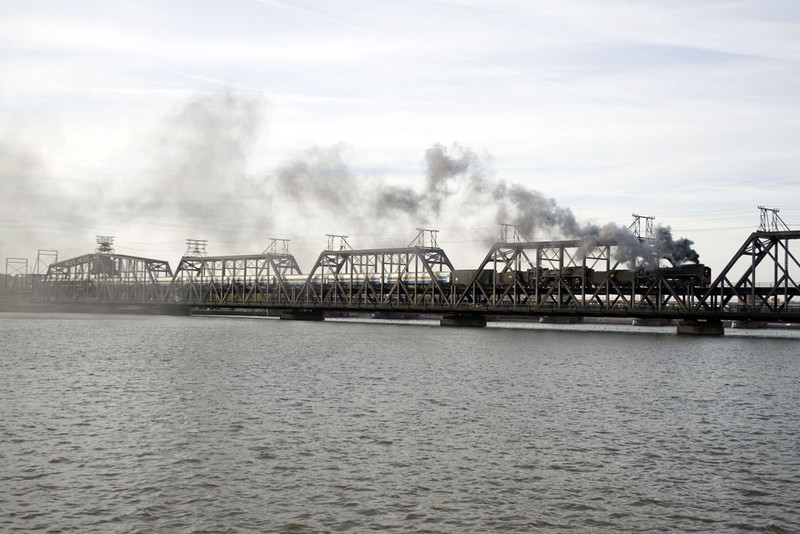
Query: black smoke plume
457, 179
677, 252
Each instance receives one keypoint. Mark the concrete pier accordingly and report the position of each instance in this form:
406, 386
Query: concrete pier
707, 327
302, 315
559, 319
640, 321
463, 319
748, 324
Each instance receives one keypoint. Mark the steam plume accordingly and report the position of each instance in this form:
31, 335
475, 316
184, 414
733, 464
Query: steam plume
441, 167
200, 166
319, 176
457, 178
200, 173
33, 206
21, 172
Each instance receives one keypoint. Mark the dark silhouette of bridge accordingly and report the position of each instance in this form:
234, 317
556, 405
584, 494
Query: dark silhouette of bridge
517, 278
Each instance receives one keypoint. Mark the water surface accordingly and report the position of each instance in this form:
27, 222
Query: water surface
171, 424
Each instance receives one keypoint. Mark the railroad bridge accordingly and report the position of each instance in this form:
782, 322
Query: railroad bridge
517, 278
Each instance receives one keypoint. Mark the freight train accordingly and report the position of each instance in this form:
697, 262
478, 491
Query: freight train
697, 275
684, 278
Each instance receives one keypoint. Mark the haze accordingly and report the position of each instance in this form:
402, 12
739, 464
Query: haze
239, 121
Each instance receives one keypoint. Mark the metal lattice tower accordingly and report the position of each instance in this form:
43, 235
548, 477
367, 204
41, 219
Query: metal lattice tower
43, 260
432, 240
196, 247
343, 244
517, 236
277, 246
16, 270
771, 221
105, 244
636, 227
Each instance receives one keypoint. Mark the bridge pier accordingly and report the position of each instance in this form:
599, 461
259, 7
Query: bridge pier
702, 327
747, 324
172, 309
649, 321
302, 315
559, 319
463, 319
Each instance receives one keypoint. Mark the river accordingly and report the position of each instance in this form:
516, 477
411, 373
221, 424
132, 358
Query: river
186, 424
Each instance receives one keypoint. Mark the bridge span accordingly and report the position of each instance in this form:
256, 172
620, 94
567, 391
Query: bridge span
554, 279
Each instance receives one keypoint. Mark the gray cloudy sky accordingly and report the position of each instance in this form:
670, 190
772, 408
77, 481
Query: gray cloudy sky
237, 120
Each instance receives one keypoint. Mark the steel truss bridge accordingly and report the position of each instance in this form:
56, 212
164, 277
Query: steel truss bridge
519, 278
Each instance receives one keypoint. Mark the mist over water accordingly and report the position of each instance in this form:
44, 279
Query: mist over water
164, 424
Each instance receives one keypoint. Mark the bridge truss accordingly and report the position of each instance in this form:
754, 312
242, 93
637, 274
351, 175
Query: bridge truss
575, 278
255, 279
106, 277
415, 276
767, 288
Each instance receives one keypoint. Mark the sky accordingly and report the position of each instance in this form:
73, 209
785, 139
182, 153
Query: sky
238, 121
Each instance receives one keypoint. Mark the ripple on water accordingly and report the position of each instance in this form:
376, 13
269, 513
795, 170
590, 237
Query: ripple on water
145, 424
